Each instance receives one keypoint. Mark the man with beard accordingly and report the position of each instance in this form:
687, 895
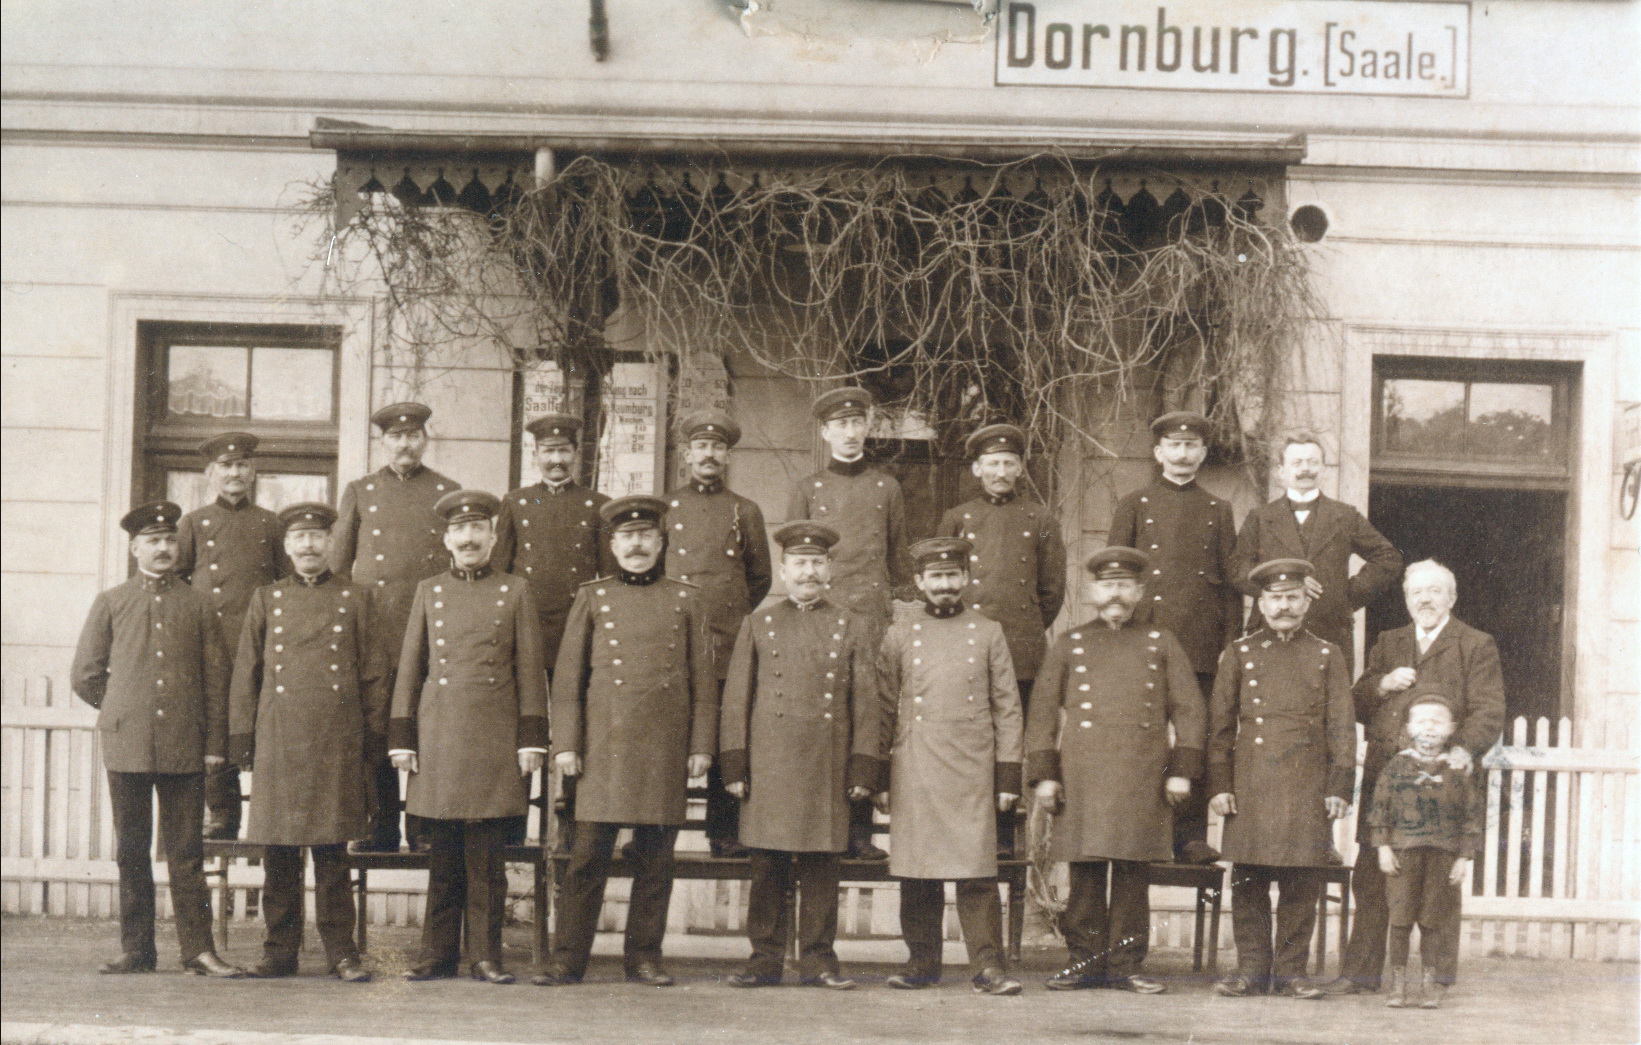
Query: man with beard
388, 538
152, 661
1281, 765
1190, 538
1017, 573
1306, 524
470, 726
716, 541
227, 549
635, 716
800, 736
303, 707
1097, 750
1437, 653
867, 508
955, 762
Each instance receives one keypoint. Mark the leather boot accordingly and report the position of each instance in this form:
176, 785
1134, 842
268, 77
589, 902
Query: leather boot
1396, 991
1433, 992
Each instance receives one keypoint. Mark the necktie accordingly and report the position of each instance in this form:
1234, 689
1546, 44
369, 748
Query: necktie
1424, 643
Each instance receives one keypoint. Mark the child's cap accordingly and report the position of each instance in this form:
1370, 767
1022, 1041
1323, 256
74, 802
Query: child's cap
1431, 696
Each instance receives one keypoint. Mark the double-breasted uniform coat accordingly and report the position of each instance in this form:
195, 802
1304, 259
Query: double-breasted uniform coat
801, 723
1099, 725
304, 702
553, 538
1330, 534
716, 540
227, 551
954, 709
867, 508
1017, 570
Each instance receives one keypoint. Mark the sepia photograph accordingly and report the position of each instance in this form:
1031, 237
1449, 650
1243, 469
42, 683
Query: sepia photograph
830, 522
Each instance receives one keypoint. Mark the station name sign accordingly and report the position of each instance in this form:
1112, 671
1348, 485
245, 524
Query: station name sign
1382, 47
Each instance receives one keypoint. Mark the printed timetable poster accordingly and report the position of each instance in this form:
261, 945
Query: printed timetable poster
1381, 47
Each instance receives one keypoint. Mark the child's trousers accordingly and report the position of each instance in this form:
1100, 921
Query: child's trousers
1421, 895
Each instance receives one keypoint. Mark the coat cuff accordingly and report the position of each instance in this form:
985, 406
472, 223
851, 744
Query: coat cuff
1008, 778
532, 732
1342, 782
864, 771
1186, 762
241, 746
1043, 765
1221, 779
734, 767
401, 734
1378, 836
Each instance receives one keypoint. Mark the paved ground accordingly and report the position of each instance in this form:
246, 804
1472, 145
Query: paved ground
53, 996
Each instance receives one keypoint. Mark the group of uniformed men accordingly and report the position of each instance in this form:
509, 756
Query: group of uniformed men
433, 630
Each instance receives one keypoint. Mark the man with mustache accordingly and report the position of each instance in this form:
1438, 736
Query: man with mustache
1437, 653
800, 735
1306, 524
867, 508
1190, 538
469, 726
1097, 751
303, 707
152, 661
388, 538
949, 688
716, 541
1018, 573
1282, 767
635, 716
226, 550
550, 534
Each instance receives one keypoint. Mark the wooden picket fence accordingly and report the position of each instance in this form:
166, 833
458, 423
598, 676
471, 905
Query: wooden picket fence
1560, 875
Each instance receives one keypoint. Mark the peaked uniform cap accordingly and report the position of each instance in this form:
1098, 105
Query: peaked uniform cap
634, 510
555, 426
154, 517
307, 515
710, 423
804, 535
1117, 561
932, 551
1281, 574
229, 446
397, 416
994, 438
851, 401
1180, 424
462, 505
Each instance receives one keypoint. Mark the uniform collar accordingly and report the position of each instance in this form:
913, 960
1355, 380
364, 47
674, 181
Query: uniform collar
478, 573
847, 469
813, 604
154, 582
1170, 484
558, 487
942, 612
1003, 499
230, 506
710, 487
405, 476
312, 582
648, 577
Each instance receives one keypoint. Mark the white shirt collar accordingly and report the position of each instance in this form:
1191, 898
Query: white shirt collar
1430, 636
1179, 482
152, 576
849, 460
1304, 498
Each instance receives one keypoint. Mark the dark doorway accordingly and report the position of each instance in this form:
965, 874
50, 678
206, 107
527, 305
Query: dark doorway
1507, 548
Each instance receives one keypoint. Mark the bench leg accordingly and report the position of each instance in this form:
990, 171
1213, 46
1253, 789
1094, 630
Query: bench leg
1321, 958
361, 907
1017, 919
1215, 896
224, 898
538, 943
1196, 931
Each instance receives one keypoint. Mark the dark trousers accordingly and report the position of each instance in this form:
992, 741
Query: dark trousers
1109, 937
1420, 894
1364, 959
466, 890
1297, 891
223, 799
385, 805
1191, 815
581, 896
723, 817
979, 912
182, 809
775, 877
284, 894
1008, 822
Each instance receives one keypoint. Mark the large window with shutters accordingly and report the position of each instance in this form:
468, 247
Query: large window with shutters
278, 382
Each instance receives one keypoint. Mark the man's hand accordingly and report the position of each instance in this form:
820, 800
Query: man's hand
857, 793
1223, 804
1388, 864
212, 761
698, 765
1397, 680
1458, 756
739, 790
568, 763
1051, 794
1461, 867
1337, 807
405, 761
1176, 789
880, 802
530, 761
1005, 801
1313, 587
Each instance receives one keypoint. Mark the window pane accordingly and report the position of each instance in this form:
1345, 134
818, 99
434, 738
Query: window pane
274, 490
206, 381
1425, 418
186, 489
291, 384
1510, 420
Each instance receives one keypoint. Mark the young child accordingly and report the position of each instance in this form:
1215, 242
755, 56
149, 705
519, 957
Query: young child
1426, 821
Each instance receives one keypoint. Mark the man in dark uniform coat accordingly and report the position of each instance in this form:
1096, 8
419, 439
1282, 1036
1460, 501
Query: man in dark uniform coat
227, 549
388, 538
470, 726
867, 508
635, 716
550, 534
1282, 766
1304, 523
716, 541
800, 736
303, 707
1108, 771
1439, 653
1017, 574
151, 659
1189, 587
